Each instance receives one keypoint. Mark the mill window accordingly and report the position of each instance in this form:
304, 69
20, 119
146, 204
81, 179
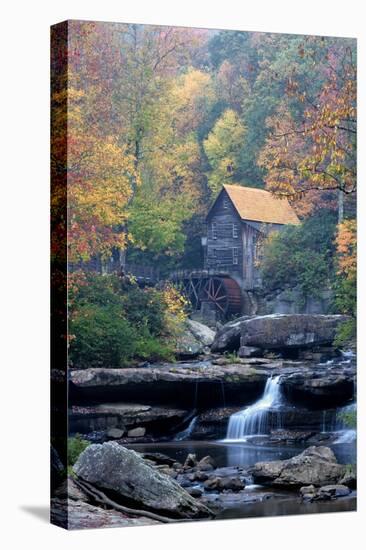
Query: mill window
235, 231
226, 204
214, 230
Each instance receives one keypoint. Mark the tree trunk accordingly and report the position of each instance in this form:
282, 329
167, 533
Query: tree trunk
340, 206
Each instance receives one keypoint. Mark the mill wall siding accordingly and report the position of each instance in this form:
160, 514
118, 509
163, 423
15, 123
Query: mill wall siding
222, 245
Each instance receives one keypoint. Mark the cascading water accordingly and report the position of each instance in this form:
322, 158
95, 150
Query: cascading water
254, 419
185, 434
345, 434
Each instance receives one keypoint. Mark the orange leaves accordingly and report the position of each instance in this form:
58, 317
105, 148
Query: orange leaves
346, 245
316, 152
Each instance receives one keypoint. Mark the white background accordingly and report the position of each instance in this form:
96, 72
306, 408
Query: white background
24, 131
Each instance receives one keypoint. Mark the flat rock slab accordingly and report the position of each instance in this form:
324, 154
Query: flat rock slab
176, 384
82, 515
183, 385
122, 417
127, 411
104, 377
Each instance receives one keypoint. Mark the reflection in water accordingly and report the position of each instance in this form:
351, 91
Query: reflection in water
242, 454
238, 454
245, 455
285, 507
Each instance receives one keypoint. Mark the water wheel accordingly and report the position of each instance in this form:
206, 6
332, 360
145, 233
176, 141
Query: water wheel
219, 290
224, 293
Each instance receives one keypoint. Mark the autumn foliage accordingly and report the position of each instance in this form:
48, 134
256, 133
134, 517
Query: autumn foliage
313, 150
346, 243
149, 122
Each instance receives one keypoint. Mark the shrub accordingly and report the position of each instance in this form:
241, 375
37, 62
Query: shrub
153, 349
346, 332
75, 446
113, 322
175, 306
101, 336
301, 256
145, 310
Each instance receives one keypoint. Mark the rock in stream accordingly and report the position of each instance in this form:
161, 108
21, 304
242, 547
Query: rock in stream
112, 467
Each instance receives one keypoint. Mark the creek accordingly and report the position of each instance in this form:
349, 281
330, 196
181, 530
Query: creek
249, 439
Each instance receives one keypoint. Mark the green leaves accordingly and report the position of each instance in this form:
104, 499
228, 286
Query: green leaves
156, 224
112, 325
301, 256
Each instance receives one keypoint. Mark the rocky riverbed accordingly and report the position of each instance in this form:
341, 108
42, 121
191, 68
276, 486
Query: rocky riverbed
177, 416
150, 487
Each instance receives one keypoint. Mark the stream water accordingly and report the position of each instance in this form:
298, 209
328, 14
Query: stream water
242, 454
248, 441
265, 502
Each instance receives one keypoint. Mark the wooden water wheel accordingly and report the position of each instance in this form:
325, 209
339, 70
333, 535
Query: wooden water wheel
224, 293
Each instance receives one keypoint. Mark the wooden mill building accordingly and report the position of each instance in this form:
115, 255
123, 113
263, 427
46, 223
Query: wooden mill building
236, 224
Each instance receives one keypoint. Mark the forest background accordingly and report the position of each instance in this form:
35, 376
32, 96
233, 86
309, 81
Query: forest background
160, 117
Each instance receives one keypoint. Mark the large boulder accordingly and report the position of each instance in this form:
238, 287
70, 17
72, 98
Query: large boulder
216, 483
112, 467
187, 345
194, 340
137, 432
290, 331
316, 466
202, 333
227, 337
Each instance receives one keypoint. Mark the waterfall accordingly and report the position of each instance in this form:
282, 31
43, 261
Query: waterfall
324, 422
345, 434
185, 434
254, 419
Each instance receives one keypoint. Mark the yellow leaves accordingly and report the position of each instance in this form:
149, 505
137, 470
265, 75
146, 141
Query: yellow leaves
192, 86
175, 311
100, 180
70, 94
191, 96
222, 148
